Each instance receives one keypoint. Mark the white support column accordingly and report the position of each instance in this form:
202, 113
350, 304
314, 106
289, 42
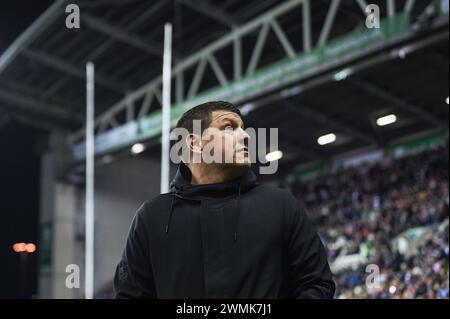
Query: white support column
165, 142
90, 159
64, 239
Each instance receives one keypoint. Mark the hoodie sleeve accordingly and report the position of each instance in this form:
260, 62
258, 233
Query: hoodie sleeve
309, 274
134, 277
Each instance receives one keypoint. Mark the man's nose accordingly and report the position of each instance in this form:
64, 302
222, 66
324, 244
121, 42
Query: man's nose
243, 136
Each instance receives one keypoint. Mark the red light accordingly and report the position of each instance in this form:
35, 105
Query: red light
24, 248
30, 248
20, 247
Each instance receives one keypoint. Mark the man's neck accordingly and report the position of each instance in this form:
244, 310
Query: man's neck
211, 174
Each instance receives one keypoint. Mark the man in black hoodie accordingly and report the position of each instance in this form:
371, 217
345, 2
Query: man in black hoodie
218, 233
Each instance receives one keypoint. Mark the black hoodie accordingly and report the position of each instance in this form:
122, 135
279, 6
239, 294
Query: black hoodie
238, 239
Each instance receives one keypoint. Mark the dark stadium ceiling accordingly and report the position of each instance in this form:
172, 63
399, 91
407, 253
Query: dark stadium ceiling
44, 85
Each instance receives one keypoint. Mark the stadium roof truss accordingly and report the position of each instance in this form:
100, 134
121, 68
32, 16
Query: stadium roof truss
258, 54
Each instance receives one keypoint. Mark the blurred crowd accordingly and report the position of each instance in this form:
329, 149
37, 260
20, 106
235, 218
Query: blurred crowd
360, 211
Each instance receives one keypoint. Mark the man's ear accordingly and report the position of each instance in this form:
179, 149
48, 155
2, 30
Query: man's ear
194, 143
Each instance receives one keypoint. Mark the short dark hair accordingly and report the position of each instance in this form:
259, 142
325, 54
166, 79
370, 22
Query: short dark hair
203, 112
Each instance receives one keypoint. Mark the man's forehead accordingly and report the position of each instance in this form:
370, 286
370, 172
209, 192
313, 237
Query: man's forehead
225, 115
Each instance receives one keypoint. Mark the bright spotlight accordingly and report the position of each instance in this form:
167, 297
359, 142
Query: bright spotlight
137, 148
326, 139
387, 120
274, 156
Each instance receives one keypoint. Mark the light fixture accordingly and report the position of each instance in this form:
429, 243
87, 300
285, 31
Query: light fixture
20, 247
295, 90
326, 139
274, 156
137, 148
342, 75
30, 248
387, 120
107, 159
24, 248
247, 108
402, 53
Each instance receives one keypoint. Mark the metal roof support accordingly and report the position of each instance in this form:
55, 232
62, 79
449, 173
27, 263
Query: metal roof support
179, 87
47, 126
121, 35
399, 102
363, 5
145, 108
323, 119
130, 110
237, 52
65, 67
282, 37
234, 39
210, 11
217, 70
47, 18
108, 43
329, 21
262, 37
409, 5
197, 78
25, 89
34, 105
307, 42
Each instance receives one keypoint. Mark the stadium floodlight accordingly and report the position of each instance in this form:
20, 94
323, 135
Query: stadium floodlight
247, 108
342, 75
447, 100
137, 148
387, 120
274, 156
402, 53
326, 139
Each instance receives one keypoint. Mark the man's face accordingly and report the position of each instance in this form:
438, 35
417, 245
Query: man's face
226, 134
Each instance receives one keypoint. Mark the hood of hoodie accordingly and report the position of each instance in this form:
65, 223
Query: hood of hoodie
181, 185
182, 189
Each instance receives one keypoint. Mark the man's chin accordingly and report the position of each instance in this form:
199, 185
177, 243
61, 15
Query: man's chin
239, 165
244, 165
